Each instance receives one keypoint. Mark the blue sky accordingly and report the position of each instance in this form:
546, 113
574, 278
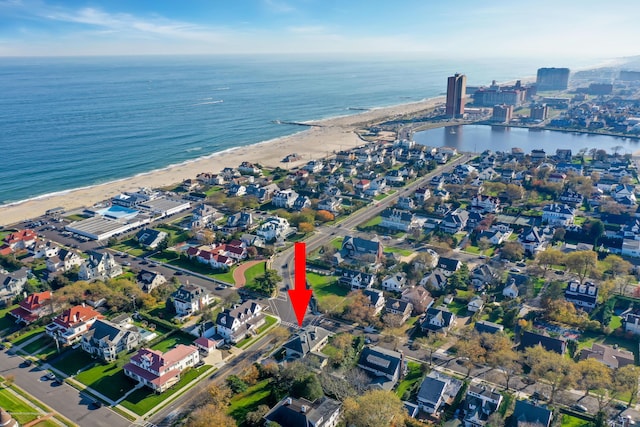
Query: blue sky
494, 28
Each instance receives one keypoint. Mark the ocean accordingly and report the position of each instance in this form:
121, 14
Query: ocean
75, 122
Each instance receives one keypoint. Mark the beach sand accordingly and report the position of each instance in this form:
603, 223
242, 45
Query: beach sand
313, 143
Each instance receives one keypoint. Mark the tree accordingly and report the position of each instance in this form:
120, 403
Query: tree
512, 251
266, 283
324, 216
236, 384
582, 263
552, 367
626, 379
391, 320
375, 408
592, 374
307, 387
616, 265
508, 360
484, 244
548, 258
514, 192
469, 349
207, 236
209, 415
360, 309
305, 227
622, 284
255, 418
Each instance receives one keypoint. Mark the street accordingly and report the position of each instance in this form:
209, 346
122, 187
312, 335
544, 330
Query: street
61, 398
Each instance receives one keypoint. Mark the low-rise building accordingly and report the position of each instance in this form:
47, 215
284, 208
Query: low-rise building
292, 412
106, 339
398, 219
63, 261
475, 305
235, 324
481, 401
189, 299
356, 279
437, 390
557, 214
527, 413
438, 320
99, 266
159, 371
376, 299
150, 238
308, 340
582, 295
33, 307
396, 282
275, 228
386, 366
149, 280
612, 357
399, 308
531, 339
68, 327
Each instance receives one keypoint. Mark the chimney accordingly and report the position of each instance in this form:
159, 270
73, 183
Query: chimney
303, 409
288, 401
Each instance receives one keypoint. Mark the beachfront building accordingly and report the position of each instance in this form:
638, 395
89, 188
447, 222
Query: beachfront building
284, 199
159, 371
456, 95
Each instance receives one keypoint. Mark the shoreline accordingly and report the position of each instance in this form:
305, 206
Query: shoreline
316, 142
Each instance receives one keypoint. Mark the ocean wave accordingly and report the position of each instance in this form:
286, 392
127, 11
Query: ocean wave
189, 150
219, 101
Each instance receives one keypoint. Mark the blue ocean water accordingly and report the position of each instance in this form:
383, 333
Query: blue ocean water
73, 122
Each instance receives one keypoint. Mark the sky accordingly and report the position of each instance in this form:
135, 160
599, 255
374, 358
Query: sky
467, 28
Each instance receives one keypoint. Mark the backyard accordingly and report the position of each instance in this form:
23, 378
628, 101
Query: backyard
254, 396
327, 291
414, 375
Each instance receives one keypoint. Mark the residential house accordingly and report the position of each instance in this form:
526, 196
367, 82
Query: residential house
149, 280
301, 202
362, 185
106, 339
511, 290
376, 299
571, 197
63, 261
612, 357
485, 204
46, 250
405, 203
262, 193
475, 305
437, 390
331, 204
236, 190
486, 327
582, 295
234, 324
557, 214
292, 412
210, 178
481, 401
358, 248
397, 219
21, 239
11, 284
449, 265
454, 221
284, 199
624, 192
190, 185
189, 299
203, 215
531, 339
437, 279
314, 166
527, 413
308, 340
532, 240
441, 194
398, 307
275, 228
394, 177
99, 266
482, 276
557, 177
356, 279
239, 221
419, 297
630, 248
494, 237
159, 371
386, 366
209, 256
150, 238
33, 307
631, 321
395, 282
438, 320
422, 194
248, 168
69, 326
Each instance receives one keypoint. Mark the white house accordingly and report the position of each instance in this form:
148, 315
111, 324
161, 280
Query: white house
159, 371
511, 290
99, 266
189, 299
557, 214
475, 305
274, 228
233, 325
284, 199
395, 282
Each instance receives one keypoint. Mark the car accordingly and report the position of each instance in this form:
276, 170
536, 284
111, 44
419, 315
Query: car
579, 408
483, 257
126, 264
144, 262
220, 288
521, 264
153, 265
559, 272
620, 406
178, 273
97, 404
51, 376
528, 380
540, 396
27, 362
514, 270
200, 363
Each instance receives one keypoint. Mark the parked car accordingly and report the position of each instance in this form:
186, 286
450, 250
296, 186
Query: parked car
579, 408
51, 376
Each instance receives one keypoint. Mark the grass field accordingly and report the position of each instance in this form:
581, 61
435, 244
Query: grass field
403, 252
22, 411
414, 375
6, 320
254, 271
143, 400
243, 403
172, 258
337, 243
72, 361
375, 221
569, 421
21, 339
269, 320
129, 246
174, 340
108, 379
43, 341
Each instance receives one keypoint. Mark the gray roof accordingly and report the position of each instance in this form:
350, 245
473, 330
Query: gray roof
306, 339
380, 359
530, 413
431, 389
188, 293
292, 412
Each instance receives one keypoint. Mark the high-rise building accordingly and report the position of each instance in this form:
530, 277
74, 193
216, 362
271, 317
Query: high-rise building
539, 112
456, 93
552, 78
502, 113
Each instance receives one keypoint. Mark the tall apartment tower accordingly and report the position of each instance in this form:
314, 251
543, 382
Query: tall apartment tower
552, 78
456, 93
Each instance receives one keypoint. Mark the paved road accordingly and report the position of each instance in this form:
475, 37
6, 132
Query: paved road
61, 398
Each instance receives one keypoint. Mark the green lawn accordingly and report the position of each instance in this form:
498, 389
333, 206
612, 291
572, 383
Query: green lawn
21, 339
325, 285
377, 220
130, 246
43, 341
6, 320
72, 361
337, 243
143, 400
569, 421
380, 196
269, 320
22, 411
195, 266
414, 375
108, 379
243, 403
538, 283
615, 323
457, 308
173, 340
176, 234
255, 271
403, 252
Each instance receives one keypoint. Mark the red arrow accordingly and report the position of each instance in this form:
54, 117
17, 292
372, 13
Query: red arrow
300, 295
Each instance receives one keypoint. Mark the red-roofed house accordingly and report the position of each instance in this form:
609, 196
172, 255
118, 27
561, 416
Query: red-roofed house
206, 345
74, 322
5, 250
22, 239
159, 371
32, 307
363, 185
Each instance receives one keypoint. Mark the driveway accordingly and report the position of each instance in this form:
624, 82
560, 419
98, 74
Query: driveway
238, 273
61, 398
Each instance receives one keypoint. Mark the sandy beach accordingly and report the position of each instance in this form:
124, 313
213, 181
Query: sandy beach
312, 143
